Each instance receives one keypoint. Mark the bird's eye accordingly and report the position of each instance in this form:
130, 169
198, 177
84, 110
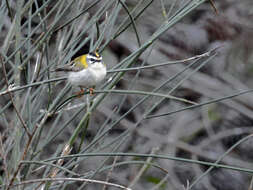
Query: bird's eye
92, 60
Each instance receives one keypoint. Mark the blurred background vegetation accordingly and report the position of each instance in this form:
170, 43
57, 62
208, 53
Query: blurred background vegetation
185, 124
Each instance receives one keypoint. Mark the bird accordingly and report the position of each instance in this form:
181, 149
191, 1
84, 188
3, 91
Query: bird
85, 71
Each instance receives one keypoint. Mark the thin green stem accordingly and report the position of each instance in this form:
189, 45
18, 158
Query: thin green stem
220, 158
132, 21
160, 156
202, 104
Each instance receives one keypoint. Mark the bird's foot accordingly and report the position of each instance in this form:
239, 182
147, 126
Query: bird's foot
91, 91
80, 93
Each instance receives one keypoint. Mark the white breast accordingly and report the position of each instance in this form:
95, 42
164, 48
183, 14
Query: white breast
89, 77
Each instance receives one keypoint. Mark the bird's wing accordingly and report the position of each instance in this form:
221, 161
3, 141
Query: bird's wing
73, 66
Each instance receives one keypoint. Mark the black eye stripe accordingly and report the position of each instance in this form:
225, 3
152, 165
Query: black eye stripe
92, 60
94, 57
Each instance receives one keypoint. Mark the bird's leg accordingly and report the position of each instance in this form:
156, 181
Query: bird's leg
80, 93
91, 90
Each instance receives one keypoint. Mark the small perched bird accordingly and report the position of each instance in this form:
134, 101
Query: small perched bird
85, 71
